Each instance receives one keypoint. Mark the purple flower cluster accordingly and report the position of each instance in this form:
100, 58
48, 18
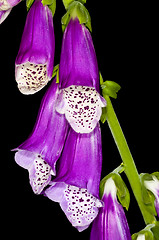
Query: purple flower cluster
63, 154
67, 129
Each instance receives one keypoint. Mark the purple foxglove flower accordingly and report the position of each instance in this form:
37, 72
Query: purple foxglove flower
4, 14
111, 223
76, 185
79, 99
35, 59
153, 186
8, 4
39, 153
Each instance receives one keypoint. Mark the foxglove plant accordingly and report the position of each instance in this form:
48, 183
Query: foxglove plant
63, 154
40, 152
35, 59
111, 223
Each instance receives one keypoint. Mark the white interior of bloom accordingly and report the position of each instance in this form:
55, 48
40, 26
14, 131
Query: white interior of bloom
152, 185
4, 5
110, 188
81, 106
141, 237
82, 206
42, 175
31, 77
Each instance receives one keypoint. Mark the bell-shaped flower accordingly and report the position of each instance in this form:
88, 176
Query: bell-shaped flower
35, 59
79, 98
40, 152
76, 185
153, 186
111, 223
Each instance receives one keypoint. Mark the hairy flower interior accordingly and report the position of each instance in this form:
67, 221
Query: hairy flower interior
82, 206
42, 175
31, 77
82, 107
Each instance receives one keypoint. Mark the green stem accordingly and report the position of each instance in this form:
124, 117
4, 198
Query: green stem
130, 168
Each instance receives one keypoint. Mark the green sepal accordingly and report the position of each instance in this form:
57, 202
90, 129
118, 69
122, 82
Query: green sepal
151, 232
56, 73
147, 196
156, 174
76, 9
104, 115
122, 191
51, 4
155, 230
29, 4
66, 3
109, 88
148, 235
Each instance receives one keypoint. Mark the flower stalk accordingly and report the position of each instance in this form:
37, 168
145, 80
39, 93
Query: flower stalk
129, 165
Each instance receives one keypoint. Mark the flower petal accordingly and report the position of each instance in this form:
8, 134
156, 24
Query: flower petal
141, 237
80, 165
78, 62
157, 203
39, 171
4, 15
24, 158
111, 221
8, 4
153, 186
81, 106
31, 77
79, 205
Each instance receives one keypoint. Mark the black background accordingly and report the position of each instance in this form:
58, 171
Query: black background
125, 39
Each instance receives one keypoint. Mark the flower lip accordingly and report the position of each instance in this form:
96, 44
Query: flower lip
79, 205
81, 106
4, 5
39, 171
4, 14
7, 4
31, 77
